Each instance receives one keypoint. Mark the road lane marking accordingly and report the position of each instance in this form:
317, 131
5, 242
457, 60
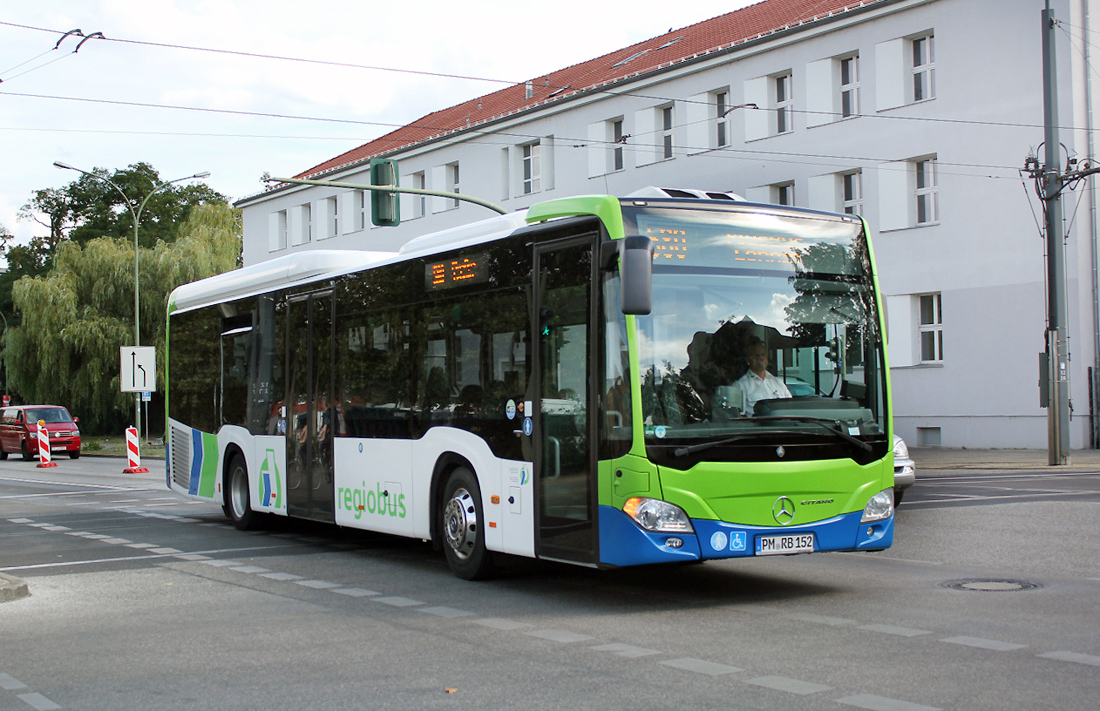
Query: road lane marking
891, 629
881, 703
700, 666
10, 683
443, 611
355, 592
1074, 657
980, 643
793, 686
38, 702
500, 623
317, 584
821, 619
561, 636
625, 650
395, 601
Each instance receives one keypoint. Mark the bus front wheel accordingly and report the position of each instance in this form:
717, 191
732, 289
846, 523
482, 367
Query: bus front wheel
237, 505
462, 524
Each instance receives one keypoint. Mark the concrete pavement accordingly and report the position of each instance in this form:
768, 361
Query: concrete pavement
930, 462
933, 461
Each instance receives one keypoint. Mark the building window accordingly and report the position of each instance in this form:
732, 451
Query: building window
453, 183
924, 68
849, 86
617, 142
361, 207
532, 168
784, 103
666, 132
852, 192
784, 194
332, 208
926, 191
278, 231
931, 329
419, 202
721, 108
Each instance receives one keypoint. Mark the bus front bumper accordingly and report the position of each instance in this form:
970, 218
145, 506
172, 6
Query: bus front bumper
623, 543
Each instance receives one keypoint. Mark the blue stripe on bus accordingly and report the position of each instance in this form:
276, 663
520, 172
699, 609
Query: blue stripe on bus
623, 543
196, 461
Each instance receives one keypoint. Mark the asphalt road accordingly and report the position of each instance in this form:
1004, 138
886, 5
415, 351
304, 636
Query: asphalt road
140, 600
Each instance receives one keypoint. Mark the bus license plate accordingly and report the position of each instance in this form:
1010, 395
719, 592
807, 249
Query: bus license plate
784, 545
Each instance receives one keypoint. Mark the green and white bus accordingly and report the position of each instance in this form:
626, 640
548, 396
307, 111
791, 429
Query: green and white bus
570, 382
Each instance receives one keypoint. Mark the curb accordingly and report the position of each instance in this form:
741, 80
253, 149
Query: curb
12, 588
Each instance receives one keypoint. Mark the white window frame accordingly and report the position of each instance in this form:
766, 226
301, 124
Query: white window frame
616, 159
331, 211
667, 121
925, 191
848, 83
362, 208
530, 155
851, 192
453, 183
419, 202
721, 123
783, 103
277, 237
930, 328
923, 67
783, 194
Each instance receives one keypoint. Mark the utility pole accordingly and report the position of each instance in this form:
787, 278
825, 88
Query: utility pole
1057, 350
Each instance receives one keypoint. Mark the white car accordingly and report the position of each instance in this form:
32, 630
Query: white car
905, 472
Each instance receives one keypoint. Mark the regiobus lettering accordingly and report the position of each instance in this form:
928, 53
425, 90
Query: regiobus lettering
373, 501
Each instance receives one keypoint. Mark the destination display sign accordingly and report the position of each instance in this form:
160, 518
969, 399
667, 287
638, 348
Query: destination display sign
471, 269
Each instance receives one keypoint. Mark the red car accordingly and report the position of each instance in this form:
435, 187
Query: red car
19, 430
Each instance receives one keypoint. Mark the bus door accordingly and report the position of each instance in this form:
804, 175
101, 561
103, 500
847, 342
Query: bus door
309, 407
564, 451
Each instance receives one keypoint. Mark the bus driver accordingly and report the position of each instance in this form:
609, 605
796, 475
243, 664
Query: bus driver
758, 383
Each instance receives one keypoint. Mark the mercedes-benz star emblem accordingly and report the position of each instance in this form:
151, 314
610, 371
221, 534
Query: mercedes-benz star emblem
783, 510
780, 452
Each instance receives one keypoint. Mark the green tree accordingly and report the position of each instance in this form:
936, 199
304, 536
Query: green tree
75, 318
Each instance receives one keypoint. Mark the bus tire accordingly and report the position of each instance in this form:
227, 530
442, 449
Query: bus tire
238, 504
462, 526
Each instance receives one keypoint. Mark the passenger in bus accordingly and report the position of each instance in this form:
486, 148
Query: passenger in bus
758, 384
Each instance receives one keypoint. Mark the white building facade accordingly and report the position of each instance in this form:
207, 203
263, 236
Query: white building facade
916, 114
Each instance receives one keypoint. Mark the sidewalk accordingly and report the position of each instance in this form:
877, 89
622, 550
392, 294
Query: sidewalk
933, 461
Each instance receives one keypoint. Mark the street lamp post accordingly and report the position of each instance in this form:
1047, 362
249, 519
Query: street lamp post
136, 215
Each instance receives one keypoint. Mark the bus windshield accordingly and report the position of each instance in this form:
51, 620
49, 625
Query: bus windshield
764, 325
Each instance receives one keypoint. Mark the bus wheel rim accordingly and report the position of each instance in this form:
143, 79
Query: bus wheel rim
460, 523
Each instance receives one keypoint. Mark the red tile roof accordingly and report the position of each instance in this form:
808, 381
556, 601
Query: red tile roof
674, 47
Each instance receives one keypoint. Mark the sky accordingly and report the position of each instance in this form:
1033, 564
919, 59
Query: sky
92, 107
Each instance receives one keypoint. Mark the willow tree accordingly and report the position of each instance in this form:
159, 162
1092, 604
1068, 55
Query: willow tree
77, 316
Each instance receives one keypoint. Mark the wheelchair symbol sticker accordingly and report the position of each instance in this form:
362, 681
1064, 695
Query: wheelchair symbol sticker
738, 541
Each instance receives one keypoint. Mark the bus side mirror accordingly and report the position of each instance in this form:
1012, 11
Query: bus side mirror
636, 275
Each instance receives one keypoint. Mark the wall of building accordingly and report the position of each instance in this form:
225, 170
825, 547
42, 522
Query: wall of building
983, 254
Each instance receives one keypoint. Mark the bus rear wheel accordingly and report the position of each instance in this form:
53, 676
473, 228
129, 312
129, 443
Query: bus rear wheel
238, 505
462, 527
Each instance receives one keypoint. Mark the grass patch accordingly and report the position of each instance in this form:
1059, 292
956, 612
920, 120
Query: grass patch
115, 446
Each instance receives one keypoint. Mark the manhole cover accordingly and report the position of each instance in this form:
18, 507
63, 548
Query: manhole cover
990, 585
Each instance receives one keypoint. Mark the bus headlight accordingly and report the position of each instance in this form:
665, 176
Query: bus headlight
880, 507
657, 516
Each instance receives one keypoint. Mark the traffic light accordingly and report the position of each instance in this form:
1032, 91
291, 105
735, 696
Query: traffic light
385, 207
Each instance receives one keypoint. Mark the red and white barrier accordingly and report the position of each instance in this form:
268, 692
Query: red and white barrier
132, 454
44, 446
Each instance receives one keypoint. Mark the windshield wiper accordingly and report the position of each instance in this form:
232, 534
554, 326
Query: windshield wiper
832, 426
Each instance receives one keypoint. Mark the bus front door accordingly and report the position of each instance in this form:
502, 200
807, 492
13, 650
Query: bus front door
564, 455
309, 406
